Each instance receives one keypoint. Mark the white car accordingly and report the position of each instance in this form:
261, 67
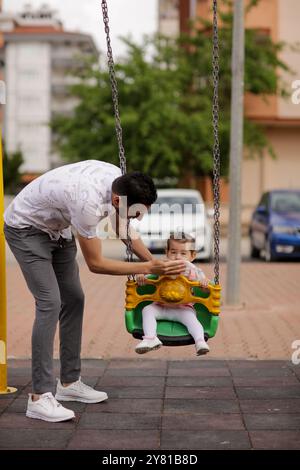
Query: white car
176, 210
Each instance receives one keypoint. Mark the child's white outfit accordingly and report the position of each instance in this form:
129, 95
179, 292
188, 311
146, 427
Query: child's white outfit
184, 314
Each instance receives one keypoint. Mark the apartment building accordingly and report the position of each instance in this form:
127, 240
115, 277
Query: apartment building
39, 61
168, 17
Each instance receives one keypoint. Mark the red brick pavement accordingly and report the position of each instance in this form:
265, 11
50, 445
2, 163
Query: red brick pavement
263, 327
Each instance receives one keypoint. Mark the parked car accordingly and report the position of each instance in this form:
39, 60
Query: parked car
177, 210
275, 226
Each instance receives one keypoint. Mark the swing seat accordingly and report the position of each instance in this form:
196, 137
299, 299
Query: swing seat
179, 291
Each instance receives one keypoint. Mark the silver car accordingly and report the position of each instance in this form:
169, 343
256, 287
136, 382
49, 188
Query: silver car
177, 211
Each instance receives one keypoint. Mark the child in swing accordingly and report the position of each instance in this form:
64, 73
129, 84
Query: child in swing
177, 249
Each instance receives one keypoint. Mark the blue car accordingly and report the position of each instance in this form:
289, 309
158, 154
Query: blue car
275, 226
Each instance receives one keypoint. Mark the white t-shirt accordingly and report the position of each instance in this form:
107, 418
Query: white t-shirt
78, 194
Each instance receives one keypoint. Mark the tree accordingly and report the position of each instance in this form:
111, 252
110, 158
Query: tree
11, 171
165, 93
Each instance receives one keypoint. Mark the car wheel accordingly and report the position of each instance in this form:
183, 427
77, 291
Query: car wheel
268, 254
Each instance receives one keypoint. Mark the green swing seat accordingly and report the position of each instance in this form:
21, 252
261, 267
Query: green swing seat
169, 332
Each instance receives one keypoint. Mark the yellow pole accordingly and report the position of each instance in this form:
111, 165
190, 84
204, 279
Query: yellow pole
4, 389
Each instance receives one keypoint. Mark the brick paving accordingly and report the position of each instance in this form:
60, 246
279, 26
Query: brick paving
264, 326
166, 405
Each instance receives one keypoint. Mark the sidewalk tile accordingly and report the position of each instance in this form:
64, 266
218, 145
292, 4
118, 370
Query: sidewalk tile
204, 440
186, 393
199, 381
88, 372
200, 406
296, 370
135, 372
211, 422
110, 440
198, 363
137, 364
200, 372
288, 405
89, 363
17, 406
272, 421
39, 439
5, 403
126, 405
291, 391
20, 421
261, 364
265, 381
115, 381
18, 381
119, 421
19, 371
262, 372
134, 392
275, 440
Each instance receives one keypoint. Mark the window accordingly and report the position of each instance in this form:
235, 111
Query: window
286, 202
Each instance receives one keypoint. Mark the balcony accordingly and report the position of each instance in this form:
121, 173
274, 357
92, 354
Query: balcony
63, 63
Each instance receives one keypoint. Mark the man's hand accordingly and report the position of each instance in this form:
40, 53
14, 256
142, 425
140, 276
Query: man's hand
91, 249
141, 279
166, 268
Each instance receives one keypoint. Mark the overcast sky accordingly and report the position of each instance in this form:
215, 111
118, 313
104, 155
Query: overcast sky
135, 17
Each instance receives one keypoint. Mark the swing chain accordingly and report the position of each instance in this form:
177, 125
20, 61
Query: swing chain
129, 244
216, 146
114, 88
119, 132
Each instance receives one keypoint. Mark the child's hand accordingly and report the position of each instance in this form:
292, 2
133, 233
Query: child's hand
204, 282
141, 279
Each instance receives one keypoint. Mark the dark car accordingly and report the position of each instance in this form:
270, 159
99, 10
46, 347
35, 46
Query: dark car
275, 226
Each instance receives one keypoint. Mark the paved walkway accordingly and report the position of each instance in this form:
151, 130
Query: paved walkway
264, 326
169, 405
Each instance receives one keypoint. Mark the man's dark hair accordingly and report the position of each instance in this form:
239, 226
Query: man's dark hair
138, 188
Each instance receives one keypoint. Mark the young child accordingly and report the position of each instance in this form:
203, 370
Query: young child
183, 248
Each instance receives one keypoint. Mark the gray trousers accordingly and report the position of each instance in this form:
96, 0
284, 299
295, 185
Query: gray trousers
52, 275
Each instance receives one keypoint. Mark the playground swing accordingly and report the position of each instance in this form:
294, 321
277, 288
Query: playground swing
166, 289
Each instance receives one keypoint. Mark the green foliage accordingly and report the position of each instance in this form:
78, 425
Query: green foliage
165, 94
11, 171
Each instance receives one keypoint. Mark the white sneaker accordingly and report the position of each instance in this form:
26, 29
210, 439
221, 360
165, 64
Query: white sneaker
48, 409
201, 347
78, 391
148, 345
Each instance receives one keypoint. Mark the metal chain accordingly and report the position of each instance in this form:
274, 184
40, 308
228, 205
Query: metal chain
115, 98
129, 252
215, 115
216, 147
114, 88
